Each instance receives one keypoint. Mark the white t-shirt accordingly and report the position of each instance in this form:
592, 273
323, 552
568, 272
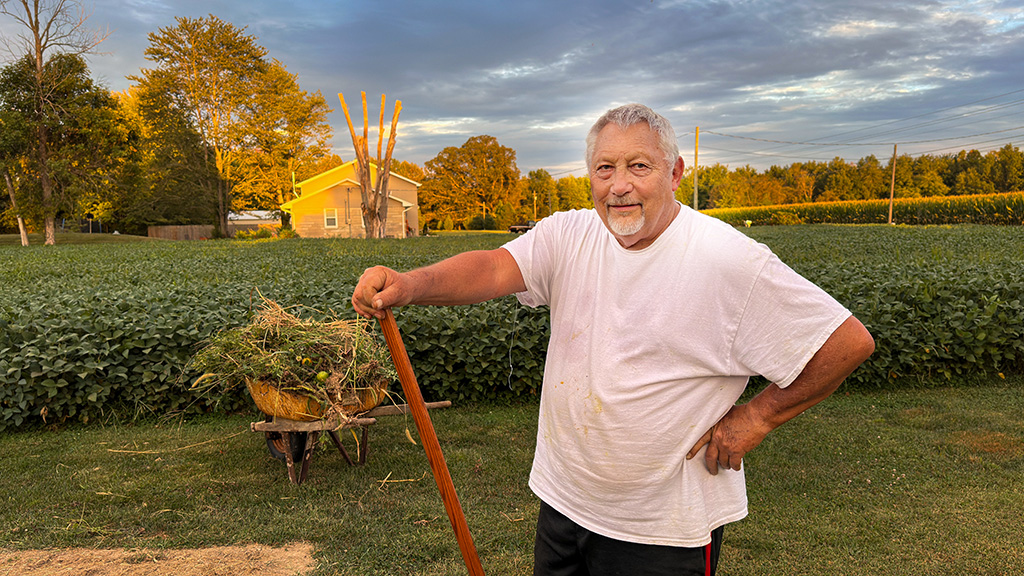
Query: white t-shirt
648, 349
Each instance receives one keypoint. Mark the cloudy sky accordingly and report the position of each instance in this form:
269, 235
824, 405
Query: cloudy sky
768, 82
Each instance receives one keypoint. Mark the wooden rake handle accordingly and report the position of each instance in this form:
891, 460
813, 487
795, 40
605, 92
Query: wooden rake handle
414, 399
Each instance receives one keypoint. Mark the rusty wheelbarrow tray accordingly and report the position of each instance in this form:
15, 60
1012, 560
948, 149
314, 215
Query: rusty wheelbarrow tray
294, 441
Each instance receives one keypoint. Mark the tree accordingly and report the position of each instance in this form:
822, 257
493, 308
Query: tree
904, 185
738, 189
836, 182
176, 182
55, 26
12, 142
871, 180
708, 177
1008, 169
471, 179
928, 176
408, 170
573, 192
219, 80
286, 133
71, 150
208, 70
970, 182
540, 193
374, 191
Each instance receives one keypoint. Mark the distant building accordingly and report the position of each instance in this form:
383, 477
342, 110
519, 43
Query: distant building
252, 219
329, 205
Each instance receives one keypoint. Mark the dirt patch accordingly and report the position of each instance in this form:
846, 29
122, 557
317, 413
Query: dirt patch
251, 560
995, 444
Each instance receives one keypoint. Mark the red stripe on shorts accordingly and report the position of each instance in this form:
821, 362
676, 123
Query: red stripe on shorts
707, 560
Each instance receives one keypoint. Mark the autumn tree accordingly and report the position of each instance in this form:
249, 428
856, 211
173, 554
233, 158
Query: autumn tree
541, 193
410, 170
471, 179
48, 28
286, 133
175, 182
218, 78
573, 192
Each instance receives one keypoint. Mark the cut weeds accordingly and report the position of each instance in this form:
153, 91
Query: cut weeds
296, 368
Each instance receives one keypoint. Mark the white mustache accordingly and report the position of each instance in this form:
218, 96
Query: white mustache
622, 201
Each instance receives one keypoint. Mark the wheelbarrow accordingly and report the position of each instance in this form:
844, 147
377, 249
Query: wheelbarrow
419, 410
293, 441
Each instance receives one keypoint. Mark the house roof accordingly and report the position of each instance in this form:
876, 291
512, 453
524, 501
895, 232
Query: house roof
349, 164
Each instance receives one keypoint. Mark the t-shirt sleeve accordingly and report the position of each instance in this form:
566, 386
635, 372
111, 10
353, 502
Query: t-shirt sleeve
533, 255
785, 322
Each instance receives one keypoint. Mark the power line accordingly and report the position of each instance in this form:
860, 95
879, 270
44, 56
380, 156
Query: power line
862, 143
841, 140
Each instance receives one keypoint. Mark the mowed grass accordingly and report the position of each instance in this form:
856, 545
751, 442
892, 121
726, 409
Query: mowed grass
37, 239
899, 482
925, 482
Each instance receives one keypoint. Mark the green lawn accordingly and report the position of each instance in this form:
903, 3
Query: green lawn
923, 481
911, 482
74, 238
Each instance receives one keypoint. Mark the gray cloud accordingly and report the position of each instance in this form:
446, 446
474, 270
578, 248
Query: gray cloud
535, 73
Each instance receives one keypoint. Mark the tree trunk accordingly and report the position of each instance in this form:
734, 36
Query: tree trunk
49, 213
14, 206
223, 192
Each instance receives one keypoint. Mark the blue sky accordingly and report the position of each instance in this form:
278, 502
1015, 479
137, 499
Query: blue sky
768, 82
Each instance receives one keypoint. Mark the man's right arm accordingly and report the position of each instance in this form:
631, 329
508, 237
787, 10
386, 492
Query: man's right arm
466, 278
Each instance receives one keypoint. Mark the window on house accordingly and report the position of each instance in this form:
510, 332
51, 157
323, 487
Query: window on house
330, 217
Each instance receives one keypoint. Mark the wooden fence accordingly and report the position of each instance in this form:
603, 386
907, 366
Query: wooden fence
194, 232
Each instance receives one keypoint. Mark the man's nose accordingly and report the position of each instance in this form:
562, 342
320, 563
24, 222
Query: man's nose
622, 182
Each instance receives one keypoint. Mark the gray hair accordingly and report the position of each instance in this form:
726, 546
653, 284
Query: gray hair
630, 114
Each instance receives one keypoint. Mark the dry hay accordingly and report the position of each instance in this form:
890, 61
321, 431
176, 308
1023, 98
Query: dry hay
299, 369
250, 560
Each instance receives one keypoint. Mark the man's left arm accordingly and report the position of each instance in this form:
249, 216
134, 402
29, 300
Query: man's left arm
746, 425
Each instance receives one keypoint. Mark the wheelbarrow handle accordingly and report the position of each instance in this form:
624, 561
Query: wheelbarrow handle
414, 398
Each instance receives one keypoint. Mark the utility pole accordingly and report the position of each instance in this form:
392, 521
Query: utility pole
892, 183
696, 142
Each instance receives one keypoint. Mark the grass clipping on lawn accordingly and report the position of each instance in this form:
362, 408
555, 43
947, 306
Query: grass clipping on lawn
299, 369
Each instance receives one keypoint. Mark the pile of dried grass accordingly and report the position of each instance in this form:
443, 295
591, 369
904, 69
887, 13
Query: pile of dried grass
299, 369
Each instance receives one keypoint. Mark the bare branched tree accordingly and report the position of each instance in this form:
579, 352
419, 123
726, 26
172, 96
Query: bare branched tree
47, 27
375, 200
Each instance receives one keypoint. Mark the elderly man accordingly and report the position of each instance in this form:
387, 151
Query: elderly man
659, 315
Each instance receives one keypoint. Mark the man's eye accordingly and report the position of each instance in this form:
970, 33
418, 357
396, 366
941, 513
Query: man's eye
640, 168
604, 169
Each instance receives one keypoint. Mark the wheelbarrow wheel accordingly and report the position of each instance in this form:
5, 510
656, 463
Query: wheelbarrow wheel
276, 445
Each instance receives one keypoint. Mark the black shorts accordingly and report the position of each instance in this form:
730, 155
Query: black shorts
564, 548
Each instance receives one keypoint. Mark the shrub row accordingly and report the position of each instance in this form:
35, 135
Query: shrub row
978, 209
96, 332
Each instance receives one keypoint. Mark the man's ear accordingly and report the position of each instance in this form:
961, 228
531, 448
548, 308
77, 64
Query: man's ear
677, 172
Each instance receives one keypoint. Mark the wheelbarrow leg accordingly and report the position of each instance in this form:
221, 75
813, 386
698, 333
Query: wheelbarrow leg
298, 476
363, 447
289, 460
307, 454
365, 444
337, 442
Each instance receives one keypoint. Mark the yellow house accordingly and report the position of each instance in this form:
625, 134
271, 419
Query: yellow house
328, 205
